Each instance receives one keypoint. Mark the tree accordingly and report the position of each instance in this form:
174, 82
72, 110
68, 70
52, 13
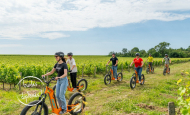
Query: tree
124, 51
111, 53
135, 49
151, 51
143, 53
174, 54
158, 51
162, 48
182, 49
188, 49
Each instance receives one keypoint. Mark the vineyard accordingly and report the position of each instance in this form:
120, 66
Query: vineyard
31, 65
117, 98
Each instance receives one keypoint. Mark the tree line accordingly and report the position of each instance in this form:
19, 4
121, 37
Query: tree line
158, 51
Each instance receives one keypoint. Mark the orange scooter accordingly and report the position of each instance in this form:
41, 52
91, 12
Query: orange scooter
109, 76
134, 80
166, 70
75, 105
149, 70
81, 85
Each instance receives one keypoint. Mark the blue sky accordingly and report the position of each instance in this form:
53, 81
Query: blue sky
93, 27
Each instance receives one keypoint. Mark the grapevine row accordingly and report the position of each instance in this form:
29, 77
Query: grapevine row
11, 73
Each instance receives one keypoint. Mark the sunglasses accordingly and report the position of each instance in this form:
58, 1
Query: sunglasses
56, 56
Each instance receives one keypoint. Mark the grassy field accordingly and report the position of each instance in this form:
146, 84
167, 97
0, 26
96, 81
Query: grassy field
117, 98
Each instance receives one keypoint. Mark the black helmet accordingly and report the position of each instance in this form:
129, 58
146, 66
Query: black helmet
113, 53
137, 54
61, 54
70, 54
166, 54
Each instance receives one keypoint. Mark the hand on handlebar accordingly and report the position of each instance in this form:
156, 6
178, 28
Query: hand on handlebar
43, 76
70, 71
56, 78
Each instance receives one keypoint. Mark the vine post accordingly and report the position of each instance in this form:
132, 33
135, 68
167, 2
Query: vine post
83, 71
20, 83
47, 76
122, 68
95, 71
171, 108
128, 68
106, 68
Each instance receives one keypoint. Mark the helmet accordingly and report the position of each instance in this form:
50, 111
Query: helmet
166, 54
61, 54
70, 54
137, 54
149, 54
113, 53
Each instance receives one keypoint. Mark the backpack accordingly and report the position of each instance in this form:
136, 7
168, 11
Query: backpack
168, 58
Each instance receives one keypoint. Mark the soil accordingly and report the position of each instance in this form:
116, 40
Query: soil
151, 107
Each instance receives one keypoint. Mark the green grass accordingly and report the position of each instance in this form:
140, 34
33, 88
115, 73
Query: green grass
117, 98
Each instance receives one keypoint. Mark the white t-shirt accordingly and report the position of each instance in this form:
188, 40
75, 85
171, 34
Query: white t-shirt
71, 63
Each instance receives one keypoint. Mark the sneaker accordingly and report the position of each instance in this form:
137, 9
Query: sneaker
74, 89
62, 111
140, 82
115, 79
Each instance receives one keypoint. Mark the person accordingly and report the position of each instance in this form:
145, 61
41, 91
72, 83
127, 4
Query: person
167, 61
150, 60
114, 60
73, 70
138, 65
61, 68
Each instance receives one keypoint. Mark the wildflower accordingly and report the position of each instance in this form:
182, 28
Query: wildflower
179, 81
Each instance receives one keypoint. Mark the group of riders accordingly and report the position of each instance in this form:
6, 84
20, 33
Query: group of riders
138, 62
61, 68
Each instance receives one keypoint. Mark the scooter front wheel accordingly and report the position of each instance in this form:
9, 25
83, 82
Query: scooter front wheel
142, 79
30, 110
107, 79
76, 103
133, 82
120, 76
82, 85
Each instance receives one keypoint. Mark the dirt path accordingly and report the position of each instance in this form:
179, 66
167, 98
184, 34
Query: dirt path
99, 98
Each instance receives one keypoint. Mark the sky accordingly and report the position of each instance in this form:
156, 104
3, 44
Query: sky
91, 27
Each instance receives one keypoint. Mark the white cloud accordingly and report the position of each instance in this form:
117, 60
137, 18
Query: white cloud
9, 45
20, 19
53, 35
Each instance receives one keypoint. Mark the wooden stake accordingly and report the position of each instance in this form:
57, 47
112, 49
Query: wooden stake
47, 76
95, 71
20, 83
171, 108
83, 71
